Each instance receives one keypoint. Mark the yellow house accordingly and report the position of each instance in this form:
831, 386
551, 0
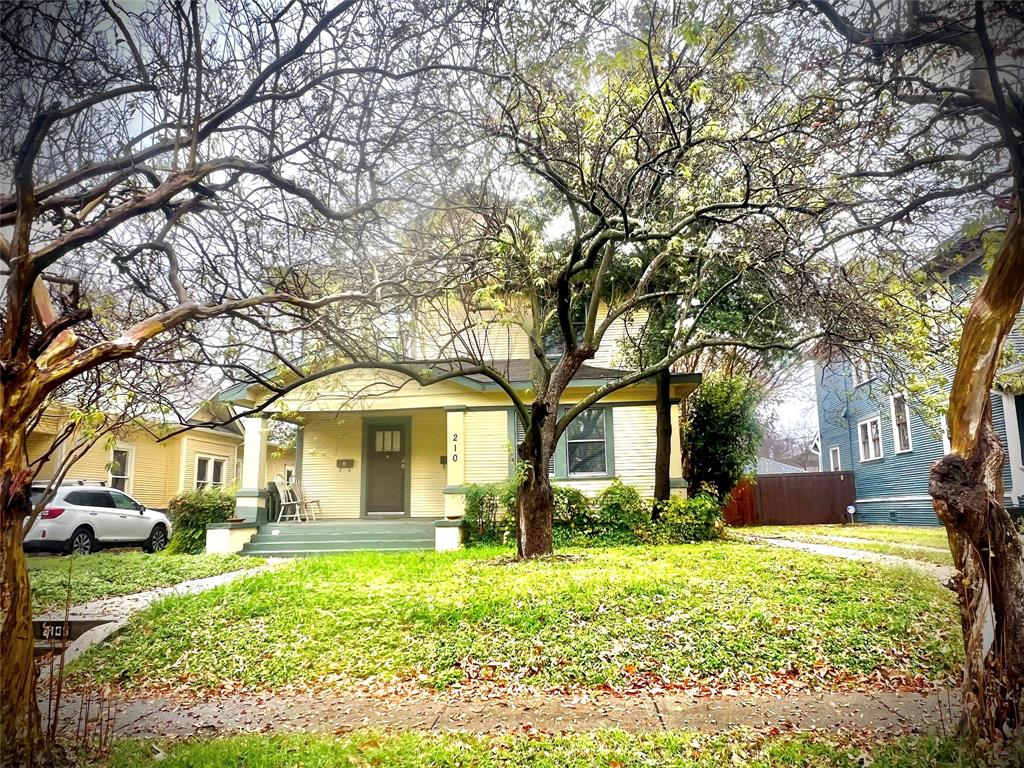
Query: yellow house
375, 445
153, 471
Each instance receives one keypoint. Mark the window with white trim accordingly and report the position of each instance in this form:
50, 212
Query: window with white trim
835, 463
120, 469
901, 438
869, 439
862, 373
209, 472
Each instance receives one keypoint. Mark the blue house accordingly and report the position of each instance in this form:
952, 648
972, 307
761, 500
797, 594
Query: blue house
883, 440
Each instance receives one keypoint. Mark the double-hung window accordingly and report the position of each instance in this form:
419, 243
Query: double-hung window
901, 437
120, 469
869, 438
862, 373
582, 450
586, 450
835, 463
209, 472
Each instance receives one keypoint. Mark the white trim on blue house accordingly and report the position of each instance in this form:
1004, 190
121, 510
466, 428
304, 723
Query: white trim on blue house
1013, 446
837, 465
892, 498
881, 440
895, 430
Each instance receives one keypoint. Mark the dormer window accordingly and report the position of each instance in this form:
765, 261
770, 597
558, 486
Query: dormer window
554, 344
862, 372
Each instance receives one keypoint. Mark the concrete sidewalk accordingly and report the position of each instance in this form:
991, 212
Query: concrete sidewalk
942, 573
887, 712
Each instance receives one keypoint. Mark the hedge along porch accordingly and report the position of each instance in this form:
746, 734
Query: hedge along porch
400, 451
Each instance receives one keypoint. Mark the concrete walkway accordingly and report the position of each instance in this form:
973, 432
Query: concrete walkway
888, 712
117, 610
942, 573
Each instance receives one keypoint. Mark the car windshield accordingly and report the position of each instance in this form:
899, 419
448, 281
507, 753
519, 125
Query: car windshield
35, 495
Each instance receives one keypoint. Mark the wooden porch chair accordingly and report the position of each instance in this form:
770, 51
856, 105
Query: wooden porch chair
290, 509
306, 505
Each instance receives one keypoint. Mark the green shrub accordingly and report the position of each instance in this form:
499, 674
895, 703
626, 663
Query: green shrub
190, 512
721, 433
487, 518
573, 510
684, 520
621, 508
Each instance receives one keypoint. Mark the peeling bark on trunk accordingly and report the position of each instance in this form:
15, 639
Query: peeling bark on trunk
21, 736
967, 491
663, 441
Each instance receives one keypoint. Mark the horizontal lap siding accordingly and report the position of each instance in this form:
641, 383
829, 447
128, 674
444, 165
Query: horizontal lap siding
149, 471
38, 445
428, 475
324, 442
487, 446
214, 447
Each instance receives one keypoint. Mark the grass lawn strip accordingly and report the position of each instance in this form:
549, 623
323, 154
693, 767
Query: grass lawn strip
927, 536
721, 612
608, 749
124, 573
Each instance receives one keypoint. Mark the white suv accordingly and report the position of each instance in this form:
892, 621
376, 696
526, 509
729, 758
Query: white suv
82, 518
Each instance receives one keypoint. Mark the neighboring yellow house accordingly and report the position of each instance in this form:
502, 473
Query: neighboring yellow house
153, 472
374, 444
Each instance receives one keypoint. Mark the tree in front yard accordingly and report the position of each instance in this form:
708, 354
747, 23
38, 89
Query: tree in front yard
188, 189
721, 433
664, 161
945, 81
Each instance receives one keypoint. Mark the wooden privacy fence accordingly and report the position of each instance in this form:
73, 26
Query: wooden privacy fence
798, 498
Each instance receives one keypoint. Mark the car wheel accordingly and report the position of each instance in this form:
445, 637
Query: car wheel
157, 540
81, 542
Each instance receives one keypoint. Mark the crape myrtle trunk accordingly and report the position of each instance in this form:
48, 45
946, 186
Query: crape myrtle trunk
21, 737
967, 491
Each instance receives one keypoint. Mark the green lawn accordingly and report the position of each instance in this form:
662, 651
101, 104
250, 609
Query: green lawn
722, 609
611, 749
110, 574
925, 536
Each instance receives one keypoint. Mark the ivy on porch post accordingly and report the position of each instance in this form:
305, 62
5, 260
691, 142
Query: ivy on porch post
455, 439
251, 499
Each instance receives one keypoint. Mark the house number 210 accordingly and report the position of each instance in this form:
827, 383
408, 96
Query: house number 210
455, 447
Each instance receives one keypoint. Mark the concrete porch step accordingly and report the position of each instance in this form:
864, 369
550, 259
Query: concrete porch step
339, 545
326, 537
317, 553
354, 535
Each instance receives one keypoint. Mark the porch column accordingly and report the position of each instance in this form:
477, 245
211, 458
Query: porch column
455, 439
677, 483
251, 499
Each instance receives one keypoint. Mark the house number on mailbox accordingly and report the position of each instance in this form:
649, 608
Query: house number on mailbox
455, 446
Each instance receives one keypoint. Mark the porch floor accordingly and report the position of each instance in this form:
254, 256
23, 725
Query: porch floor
331, 536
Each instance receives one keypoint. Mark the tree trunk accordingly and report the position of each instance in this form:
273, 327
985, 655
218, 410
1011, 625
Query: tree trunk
21, 736
967, 491
535, 499
663, 440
